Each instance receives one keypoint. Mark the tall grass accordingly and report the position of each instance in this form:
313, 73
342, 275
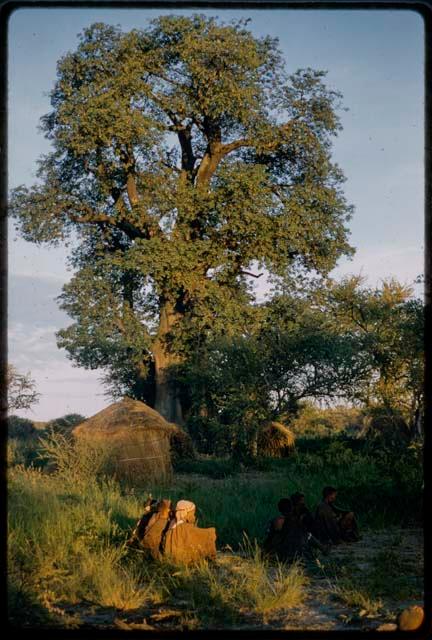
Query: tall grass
381, 490
224, 590
66, 540
68, 528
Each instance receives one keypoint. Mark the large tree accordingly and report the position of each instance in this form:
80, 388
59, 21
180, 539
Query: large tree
184, 159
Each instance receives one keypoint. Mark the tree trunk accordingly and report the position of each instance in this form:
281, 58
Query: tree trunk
167, 402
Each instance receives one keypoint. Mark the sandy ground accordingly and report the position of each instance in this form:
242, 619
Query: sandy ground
321, 610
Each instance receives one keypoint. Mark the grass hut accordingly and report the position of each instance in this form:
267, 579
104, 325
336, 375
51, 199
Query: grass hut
138, 437
388, 427
275, 441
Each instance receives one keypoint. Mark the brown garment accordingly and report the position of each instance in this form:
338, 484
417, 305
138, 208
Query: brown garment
334, 525
154, 533
141, 525
187, 543
326, 524
286, 542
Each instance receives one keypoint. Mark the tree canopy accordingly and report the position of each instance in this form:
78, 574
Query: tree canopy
21, 392
185, 158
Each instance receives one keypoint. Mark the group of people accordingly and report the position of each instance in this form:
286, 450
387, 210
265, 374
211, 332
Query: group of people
296, 532
171, 532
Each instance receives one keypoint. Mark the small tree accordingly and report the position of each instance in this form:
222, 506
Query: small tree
389, 322
244, 383
21, 388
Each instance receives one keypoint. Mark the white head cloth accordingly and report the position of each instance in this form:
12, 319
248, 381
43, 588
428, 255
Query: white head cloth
185, 505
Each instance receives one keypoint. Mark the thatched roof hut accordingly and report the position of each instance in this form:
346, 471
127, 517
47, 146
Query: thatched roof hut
139, 439
388, 427
275, 440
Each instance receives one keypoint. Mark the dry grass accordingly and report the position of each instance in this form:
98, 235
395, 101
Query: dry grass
275, 439
358, 598
235, 585
67, 531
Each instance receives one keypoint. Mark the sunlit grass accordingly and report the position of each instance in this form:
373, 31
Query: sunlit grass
68, 529
357, 597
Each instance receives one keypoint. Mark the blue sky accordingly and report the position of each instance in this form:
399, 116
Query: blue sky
375, 58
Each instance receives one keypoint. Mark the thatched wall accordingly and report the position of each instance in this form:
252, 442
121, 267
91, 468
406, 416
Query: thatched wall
138, 438
275, 440
391, 428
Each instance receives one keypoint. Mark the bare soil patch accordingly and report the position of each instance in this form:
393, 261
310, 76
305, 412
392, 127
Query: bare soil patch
360, 565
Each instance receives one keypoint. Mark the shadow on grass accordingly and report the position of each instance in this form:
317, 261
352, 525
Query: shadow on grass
24, 610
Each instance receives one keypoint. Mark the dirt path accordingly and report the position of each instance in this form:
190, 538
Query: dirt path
362, 566
357, 586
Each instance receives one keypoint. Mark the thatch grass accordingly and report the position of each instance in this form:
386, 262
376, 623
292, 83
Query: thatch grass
275, 440
138, 437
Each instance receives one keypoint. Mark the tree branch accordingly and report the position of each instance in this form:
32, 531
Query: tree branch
253, 275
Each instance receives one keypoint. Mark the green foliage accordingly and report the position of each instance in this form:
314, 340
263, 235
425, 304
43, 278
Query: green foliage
65, 424
211, 467
183, 155
68, 528
315, 422
236, 386
21, 389
390, 323
20, 427
23, 442
23, 452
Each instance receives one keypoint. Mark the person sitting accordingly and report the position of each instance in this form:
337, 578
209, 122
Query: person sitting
156, 528
302, 512
184, 542
304, 516
286, 536
273, 537
334, 525
150, 506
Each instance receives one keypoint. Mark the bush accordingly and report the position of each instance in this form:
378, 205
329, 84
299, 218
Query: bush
65, 424
210, 437
20, 428
25, 452
211, 467
75, 460
316, 422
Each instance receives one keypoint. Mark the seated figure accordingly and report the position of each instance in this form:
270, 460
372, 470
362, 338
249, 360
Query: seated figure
140, 527
156, 528
302, 512
286, 537
306, 519
334, 525
184, 542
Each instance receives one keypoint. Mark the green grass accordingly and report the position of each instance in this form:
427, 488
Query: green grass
68, 528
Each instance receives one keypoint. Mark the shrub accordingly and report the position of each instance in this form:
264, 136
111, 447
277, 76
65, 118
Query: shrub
315, 422
75, 460
211, 467
20, 428
65, 424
